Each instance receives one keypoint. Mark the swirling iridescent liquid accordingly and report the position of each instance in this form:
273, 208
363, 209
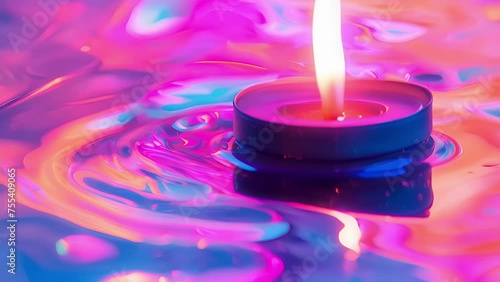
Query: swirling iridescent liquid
117, 116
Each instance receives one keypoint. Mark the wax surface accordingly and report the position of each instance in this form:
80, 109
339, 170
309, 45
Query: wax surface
379, 102
353, 109
117, 117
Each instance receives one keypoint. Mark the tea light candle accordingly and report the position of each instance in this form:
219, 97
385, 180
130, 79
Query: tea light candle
284, 118
329, 117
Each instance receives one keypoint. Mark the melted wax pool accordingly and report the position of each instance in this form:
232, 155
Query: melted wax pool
117, 118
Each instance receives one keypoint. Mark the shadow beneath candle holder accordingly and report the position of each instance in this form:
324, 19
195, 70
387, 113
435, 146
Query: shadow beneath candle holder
396, 185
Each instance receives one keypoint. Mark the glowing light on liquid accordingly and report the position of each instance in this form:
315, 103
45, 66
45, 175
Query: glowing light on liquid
329, 56
350, 235
62, 247
85, 48
84, 249
152, 17
44, 128
202, 244
137, 276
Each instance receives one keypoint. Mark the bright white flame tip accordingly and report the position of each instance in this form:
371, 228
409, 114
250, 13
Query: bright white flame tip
329, 56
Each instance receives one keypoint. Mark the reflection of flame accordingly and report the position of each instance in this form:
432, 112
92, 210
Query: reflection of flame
350, 235
202, 244
137, 276
329, 56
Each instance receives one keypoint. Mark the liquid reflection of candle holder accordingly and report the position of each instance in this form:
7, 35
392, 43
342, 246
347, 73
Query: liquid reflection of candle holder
398, 185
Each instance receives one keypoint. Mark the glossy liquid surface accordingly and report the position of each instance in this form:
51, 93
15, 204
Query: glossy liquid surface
117, 117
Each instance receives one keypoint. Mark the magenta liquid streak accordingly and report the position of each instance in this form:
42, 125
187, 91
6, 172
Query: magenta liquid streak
118, 118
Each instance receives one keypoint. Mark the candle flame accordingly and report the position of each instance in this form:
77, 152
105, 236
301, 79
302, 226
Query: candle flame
329, 56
